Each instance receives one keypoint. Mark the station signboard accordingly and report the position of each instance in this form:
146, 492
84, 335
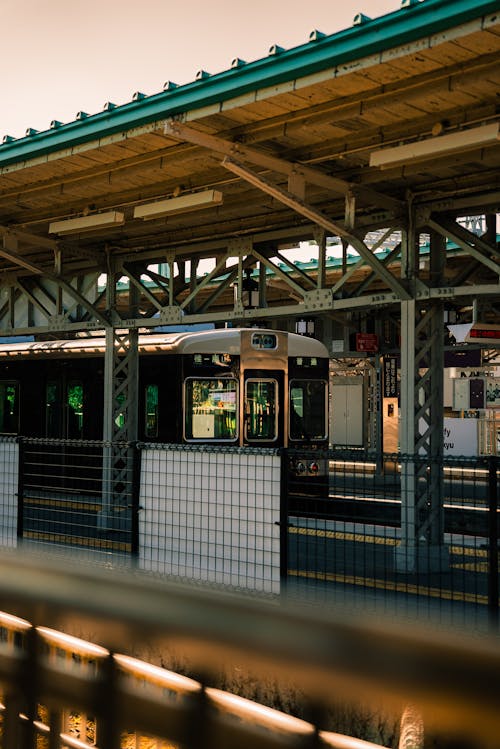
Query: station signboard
484, 333
390, 376
367, 342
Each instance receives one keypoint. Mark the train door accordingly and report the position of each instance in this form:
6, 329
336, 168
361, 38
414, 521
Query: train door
9, 407
64, 408
263, 383
263, 408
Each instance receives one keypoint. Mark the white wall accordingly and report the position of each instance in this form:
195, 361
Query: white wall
211, 517
460, 437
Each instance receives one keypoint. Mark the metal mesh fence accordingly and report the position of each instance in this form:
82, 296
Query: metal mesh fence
9, 471
352, 547
231, 517
77, 494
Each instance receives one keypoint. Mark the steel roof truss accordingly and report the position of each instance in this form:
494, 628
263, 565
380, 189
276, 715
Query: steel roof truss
34, 300
394, 253
336, 229
467, 240
136, 281
281, 274
305, 277
219, 268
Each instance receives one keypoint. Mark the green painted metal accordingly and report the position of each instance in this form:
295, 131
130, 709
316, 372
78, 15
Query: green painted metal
322, 52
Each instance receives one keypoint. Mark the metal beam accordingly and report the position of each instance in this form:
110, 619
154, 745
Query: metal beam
28, 238
320, 219
17, 259
467, 240
180, 131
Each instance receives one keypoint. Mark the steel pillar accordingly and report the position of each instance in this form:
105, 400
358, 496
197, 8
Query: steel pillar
120, 426
121, 373
422, 546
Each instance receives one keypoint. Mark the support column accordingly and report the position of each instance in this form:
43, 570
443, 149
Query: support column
121, 373
422, 546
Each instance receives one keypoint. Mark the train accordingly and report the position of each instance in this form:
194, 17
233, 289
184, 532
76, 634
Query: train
242, 387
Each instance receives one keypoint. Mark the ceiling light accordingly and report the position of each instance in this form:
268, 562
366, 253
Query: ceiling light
441, 145
92, 222
190, 202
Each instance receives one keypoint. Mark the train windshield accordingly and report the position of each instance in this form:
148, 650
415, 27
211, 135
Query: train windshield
210, 409
261, 422
308, 409
9, 407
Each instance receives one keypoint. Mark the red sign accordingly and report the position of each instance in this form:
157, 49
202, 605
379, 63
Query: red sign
484, 333
367, 342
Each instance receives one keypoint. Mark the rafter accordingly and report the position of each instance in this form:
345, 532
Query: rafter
17, 259
178, 130
25, 237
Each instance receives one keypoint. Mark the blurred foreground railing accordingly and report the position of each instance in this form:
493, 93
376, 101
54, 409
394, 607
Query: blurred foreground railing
449, 680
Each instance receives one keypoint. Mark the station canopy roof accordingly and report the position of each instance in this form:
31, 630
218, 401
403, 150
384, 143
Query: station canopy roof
394, 109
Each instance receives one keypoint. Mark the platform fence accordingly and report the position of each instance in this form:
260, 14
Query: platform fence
227, 517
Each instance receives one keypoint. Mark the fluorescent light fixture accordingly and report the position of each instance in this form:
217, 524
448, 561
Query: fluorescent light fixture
190, 202
440, 145
92, 222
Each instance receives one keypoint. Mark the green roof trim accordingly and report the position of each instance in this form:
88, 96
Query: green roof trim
409, 23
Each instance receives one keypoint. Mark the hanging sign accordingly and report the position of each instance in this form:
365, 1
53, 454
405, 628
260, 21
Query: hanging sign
367, 342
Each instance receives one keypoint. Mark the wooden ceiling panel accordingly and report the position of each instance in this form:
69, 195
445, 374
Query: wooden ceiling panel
484, 42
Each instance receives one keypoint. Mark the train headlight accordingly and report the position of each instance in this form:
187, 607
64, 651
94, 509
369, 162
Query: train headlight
314, 468
300, 468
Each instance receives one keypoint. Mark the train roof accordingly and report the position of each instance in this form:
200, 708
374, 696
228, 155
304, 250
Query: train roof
225, 340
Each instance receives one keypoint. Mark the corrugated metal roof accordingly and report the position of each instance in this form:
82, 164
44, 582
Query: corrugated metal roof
366, 37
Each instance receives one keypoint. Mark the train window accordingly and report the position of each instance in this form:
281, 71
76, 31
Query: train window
74, 410
9, 407
119, 410
261, 423
308, 409
210, 409
53, 409
151, 415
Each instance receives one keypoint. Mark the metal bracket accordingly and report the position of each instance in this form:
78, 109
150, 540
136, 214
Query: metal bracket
57, 322
239, 248
171, 315
318, 299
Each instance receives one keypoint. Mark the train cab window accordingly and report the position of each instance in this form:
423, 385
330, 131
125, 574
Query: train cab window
9, 407
261, 420
210, 409
308, 409
151, 413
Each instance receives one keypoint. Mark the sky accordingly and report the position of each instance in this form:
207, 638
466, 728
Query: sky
59, 57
